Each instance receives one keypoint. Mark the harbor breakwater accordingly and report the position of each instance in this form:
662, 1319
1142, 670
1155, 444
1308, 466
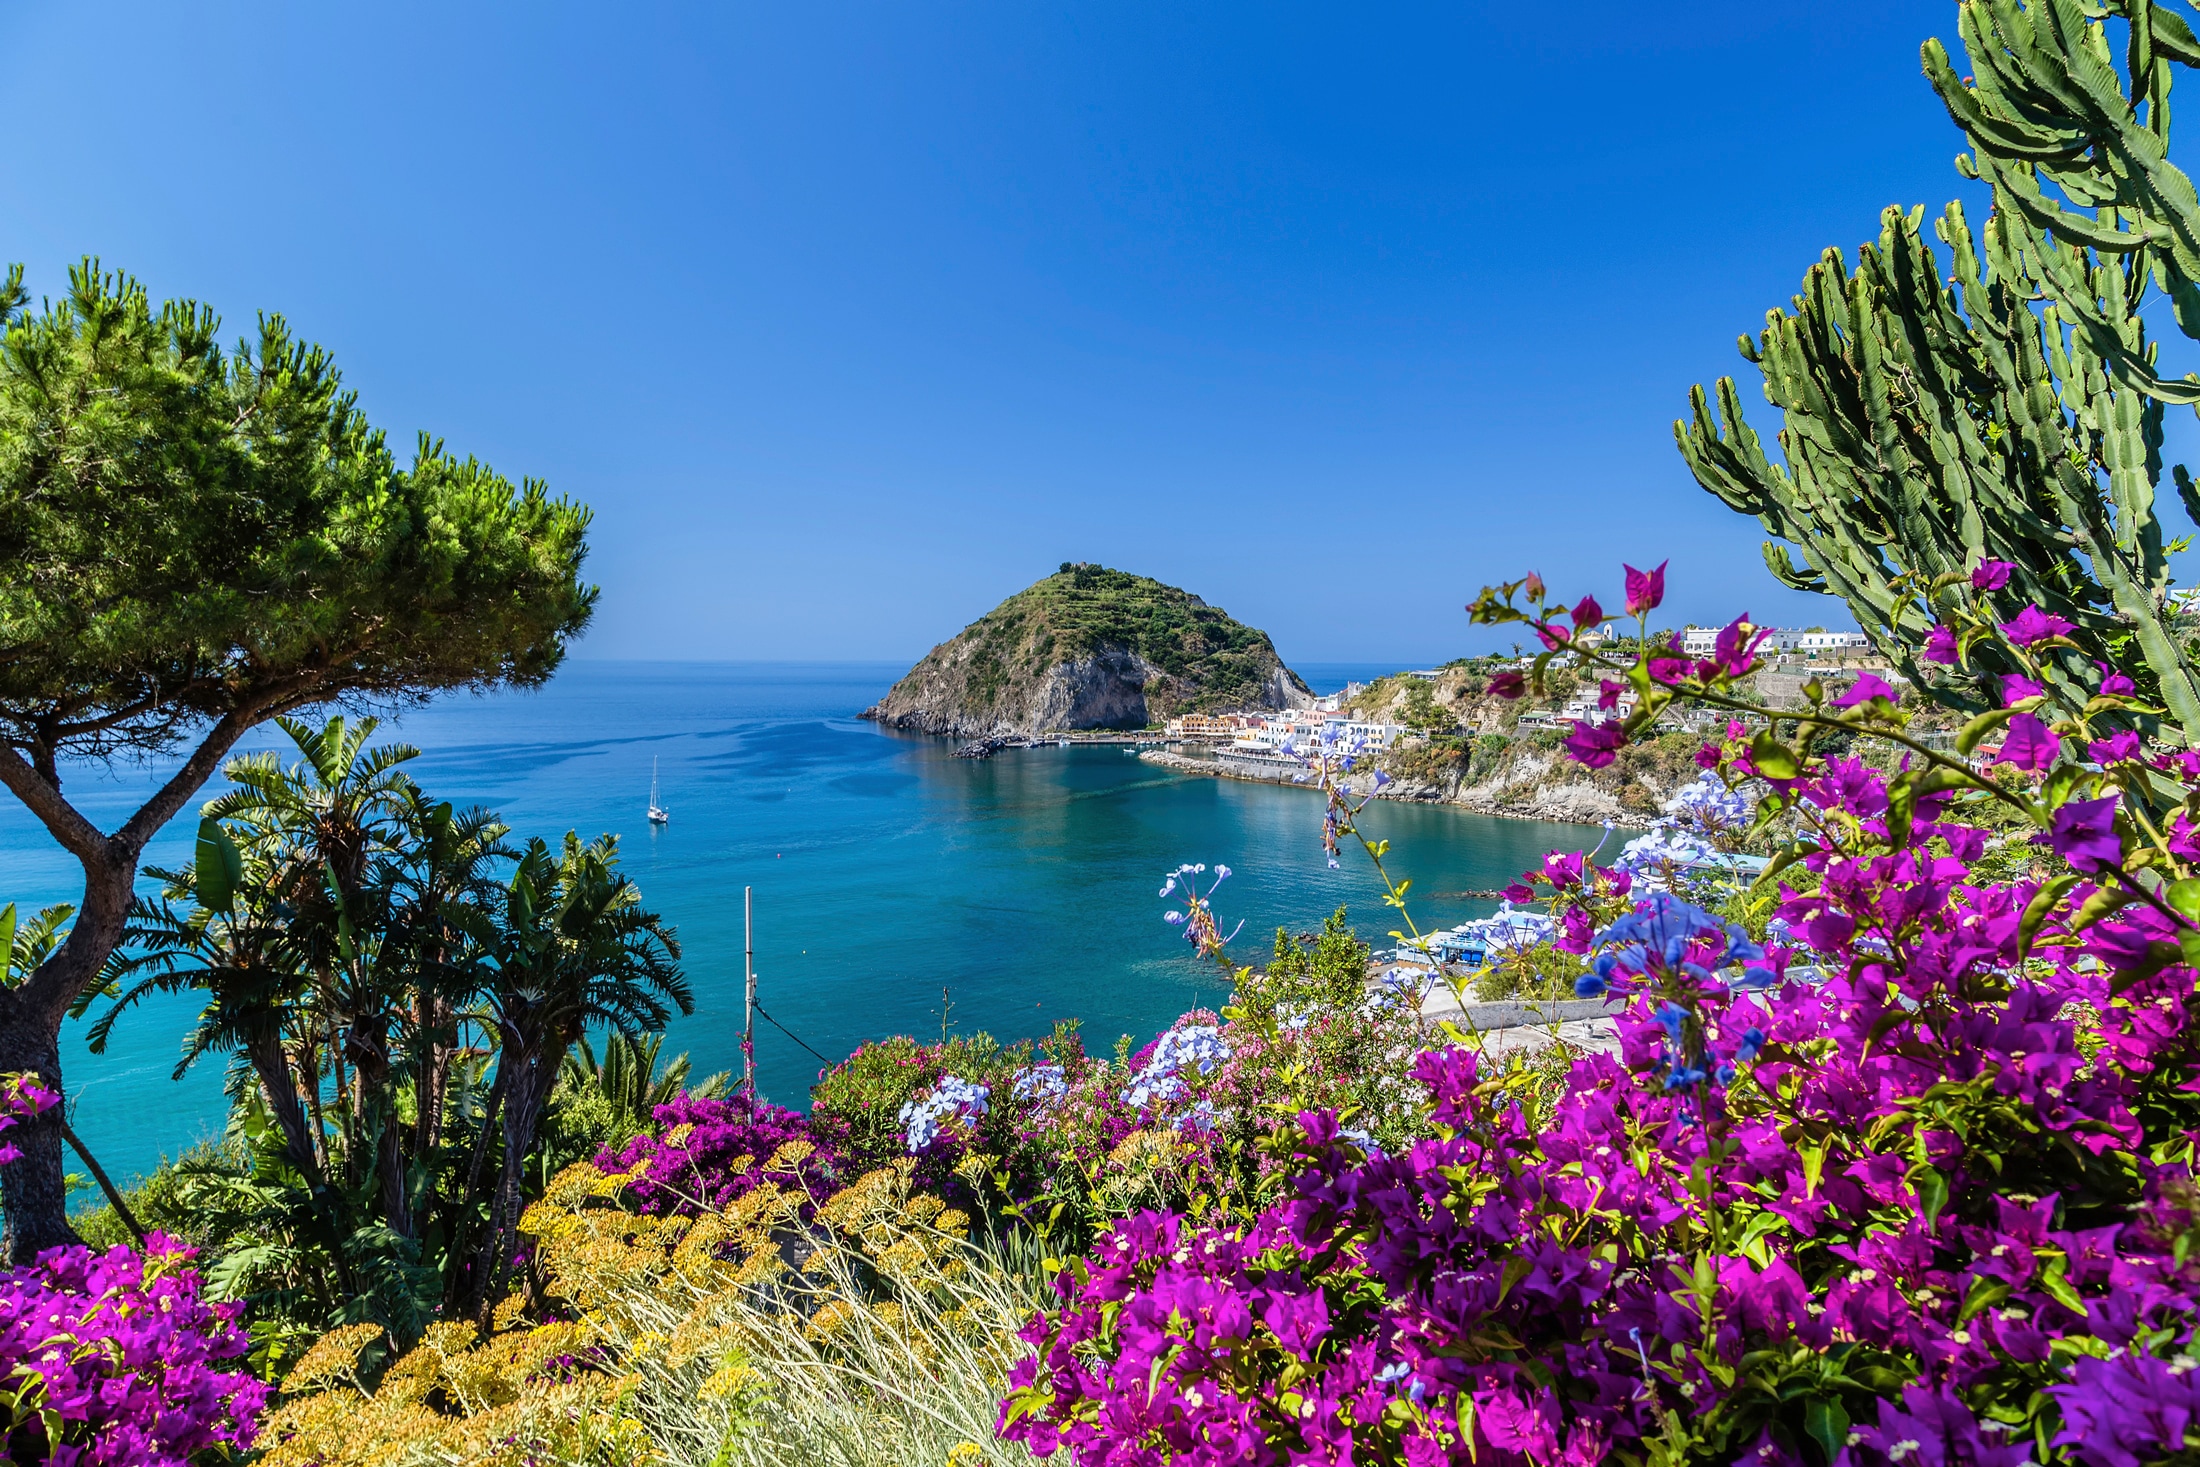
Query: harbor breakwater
1531, 786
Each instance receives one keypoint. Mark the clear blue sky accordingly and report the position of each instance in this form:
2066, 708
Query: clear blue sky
851, 320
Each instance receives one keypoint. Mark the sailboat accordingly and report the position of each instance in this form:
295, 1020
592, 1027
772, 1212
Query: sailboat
658, 814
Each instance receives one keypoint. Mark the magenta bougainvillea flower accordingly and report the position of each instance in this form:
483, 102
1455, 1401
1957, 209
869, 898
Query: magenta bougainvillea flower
1867, 686
2084, 834
2029, 744
119, 1355
1594, 744
1645, 589
2034, 625
2118, 748
698, 1172
1940, 646
1991, 575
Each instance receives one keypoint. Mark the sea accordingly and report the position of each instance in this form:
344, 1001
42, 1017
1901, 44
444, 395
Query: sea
896, 889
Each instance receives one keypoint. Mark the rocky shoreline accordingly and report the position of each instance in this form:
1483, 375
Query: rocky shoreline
1520, 793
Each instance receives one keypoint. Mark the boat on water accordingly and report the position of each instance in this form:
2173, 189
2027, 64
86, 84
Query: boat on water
658, 814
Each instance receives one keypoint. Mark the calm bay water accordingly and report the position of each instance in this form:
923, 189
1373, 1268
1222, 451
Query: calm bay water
885, 870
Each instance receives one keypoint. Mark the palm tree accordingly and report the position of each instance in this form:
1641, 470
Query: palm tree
628, 1078
441, 873
322, 824
572, 948
233, 942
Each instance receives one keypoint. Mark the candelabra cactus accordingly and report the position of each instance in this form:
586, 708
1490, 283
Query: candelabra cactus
2009, 412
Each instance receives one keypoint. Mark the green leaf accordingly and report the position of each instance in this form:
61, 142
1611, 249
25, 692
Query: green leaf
1986, 1292
2185, 897
2036, 911
1517, 1267
1932, 1191
219, 869
7, 942
1979, 727
1774, 760
1827, 1422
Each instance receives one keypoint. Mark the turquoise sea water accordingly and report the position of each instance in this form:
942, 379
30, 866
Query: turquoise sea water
885, 870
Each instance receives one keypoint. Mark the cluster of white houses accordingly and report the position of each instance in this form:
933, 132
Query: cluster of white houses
1817, 642
1262, 737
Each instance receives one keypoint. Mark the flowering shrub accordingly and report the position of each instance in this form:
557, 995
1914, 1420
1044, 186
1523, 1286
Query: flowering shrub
115, 1358
712, 1151
873, 1105
1922, 1192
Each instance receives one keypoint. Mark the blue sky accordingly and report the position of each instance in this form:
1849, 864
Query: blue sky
850, 320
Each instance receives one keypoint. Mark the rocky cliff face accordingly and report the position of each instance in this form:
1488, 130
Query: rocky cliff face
1089, 648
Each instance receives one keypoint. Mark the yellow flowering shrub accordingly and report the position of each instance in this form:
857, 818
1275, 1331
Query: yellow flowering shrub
746, 1335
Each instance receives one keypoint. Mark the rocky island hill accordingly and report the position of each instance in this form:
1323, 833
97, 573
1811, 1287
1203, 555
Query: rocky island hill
1089, 647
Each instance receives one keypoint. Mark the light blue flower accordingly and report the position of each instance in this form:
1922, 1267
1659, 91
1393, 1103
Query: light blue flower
922, 1119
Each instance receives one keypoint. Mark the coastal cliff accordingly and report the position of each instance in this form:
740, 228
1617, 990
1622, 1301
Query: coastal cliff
1089, 647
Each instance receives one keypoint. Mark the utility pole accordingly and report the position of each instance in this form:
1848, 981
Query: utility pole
748, 1007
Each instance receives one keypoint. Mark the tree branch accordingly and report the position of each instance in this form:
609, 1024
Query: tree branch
77, 835
191, 778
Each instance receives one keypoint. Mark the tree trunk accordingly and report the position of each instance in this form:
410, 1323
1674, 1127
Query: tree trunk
281, 1088
34, 1186
460, 1291
524, 1100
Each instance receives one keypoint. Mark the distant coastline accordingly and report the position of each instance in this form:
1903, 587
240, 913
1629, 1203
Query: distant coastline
1582, 804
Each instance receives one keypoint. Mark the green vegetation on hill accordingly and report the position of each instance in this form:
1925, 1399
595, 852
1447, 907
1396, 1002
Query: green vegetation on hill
1083, 609
1090, 647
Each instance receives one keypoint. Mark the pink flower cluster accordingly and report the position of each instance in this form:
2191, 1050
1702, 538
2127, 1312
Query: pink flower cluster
21, 1095
705, 1168
114, 1358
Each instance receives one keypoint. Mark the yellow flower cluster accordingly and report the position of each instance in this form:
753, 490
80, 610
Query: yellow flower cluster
678, 1328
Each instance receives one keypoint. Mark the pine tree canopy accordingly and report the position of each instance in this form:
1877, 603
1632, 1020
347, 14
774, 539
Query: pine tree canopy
188, 534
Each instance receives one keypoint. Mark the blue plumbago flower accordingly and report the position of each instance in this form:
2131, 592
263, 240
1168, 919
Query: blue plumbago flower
1041, 1085
1148, 1091
1680, 1077
1660, 919
921, 1119
1195, 1046
1382, 777
1708, 805
1739, 948
1200, 1117
1753, 1039
1173, 917
1361, 1139
1590, 985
